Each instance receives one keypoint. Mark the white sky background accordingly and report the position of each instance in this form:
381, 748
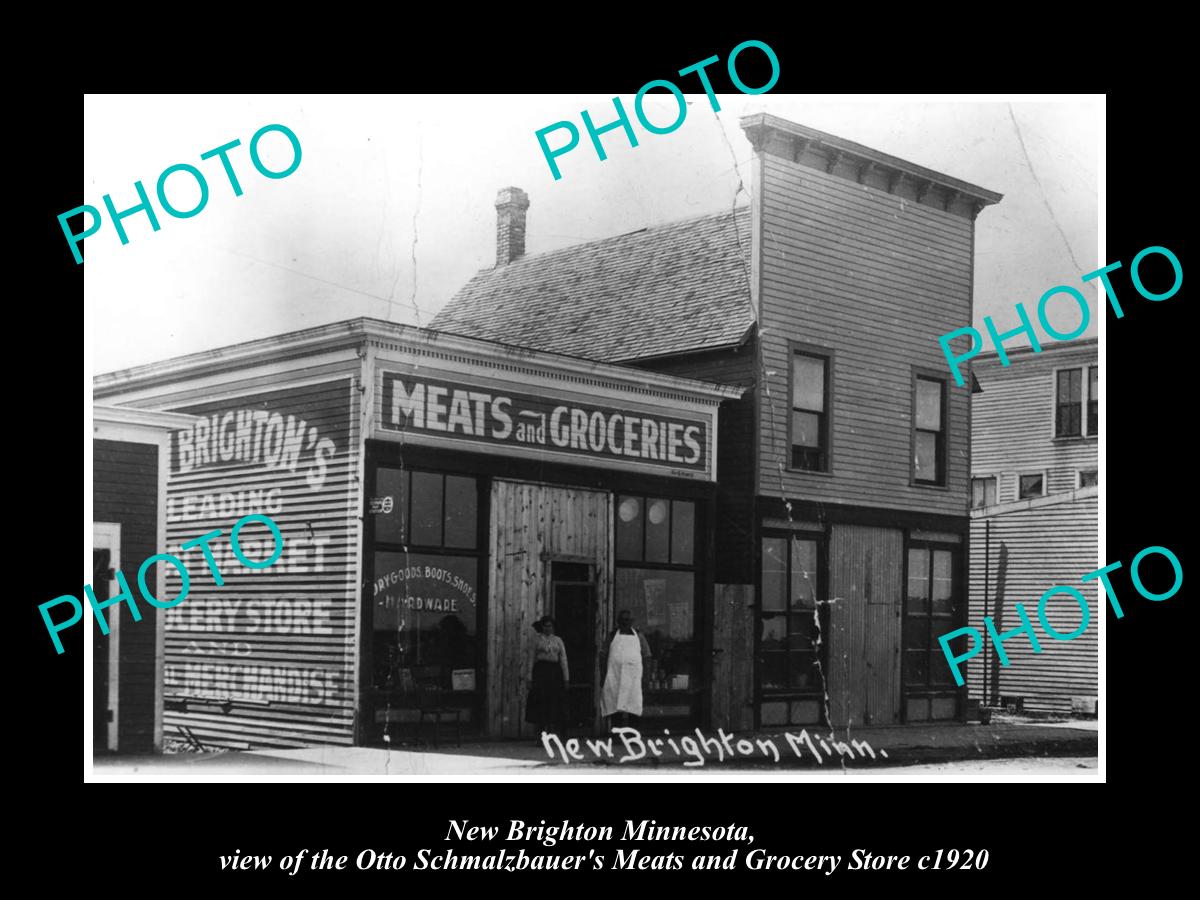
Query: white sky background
334, 240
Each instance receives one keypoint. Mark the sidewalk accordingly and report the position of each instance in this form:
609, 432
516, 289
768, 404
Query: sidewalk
875, 747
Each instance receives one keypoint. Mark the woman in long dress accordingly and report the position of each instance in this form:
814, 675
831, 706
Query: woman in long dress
623, 681
546, 706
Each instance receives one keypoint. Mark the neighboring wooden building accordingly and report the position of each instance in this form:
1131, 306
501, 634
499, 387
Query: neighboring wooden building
436, 495
129, 477
842, 501
1035, 486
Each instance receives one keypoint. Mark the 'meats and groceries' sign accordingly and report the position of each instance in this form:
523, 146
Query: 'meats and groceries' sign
453, 410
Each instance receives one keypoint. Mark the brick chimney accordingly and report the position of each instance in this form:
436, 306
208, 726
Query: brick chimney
511, 204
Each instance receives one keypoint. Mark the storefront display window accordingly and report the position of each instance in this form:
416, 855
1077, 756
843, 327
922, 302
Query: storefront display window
425, 614
656, 581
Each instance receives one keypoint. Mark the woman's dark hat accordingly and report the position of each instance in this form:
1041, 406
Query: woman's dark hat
537, 626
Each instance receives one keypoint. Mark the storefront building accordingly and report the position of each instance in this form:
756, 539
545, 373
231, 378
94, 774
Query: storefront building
842, 518
436, 495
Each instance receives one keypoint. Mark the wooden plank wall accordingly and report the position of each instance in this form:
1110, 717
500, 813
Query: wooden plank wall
875, 277
866, 567
1012, 428
1042, 547
268, 658
733, 666
125, 491
528, 520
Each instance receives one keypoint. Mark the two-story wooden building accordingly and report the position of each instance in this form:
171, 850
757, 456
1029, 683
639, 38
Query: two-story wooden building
1034, 495
842, 522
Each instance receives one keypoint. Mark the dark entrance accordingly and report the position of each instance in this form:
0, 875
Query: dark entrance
573, 592
101, 714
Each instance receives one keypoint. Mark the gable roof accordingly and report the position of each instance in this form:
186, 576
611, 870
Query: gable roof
655, 292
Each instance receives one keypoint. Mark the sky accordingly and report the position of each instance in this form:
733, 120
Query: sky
391, 209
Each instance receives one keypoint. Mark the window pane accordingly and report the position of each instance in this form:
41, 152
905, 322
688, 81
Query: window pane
977, 492
1089, 479
916, 667
806, 429
1093, 400
629, 528
802, 630
774, 633
1031, 486
391, 485
774, 573
462, 523
916, 633
773, 670
918, 580
926, 456
943, 581
803, 672
804, 573
1067, 421
658, 530
929, 404
663, 605
424, 615
1069, 386
808, 383
989, 491
810, 460
426, 509
683, 531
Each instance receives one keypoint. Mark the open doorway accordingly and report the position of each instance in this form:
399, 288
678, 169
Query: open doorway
573, 606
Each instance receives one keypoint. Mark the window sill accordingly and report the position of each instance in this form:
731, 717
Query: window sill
819, 472
1073, 438
928, 485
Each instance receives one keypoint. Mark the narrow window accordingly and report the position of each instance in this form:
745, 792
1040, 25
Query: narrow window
1068, 400
1093, 407
929, 457
810, 413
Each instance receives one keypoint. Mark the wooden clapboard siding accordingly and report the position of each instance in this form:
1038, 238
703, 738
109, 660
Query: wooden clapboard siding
733, 664
1012, 430
875, 278
268, 659
866, 591
125, 491
527, 521
1047, 543
733, 562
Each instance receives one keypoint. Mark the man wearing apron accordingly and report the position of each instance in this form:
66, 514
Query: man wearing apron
623, 680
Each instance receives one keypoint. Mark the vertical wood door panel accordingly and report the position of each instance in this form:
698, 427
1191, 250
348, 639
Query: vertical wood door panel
530, 525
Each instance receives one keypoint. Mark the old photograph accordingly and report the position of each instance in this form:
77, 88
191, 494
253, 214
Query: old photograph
515, 437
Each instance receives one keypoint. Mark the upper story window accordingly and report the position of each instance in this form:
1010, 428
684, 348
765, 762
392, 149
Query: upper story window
1076, 407
809, 425
983, 492
1032, 485
929, 423
1088, 478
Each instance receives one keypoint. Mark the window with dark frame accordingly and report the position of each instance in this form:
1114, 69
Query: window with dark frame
809, 426
983, 492
932, 608
1068, 418
1093, 406
790, 618
1076, 402
426, 573
929, 423
1031, 486
656, 581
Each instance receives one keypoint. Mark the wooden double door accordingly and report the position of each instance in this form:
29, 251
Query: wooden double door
549, 552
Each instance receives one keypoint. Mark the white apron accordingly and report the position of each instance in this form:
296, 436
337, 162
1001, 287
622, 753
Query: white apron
623, 681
